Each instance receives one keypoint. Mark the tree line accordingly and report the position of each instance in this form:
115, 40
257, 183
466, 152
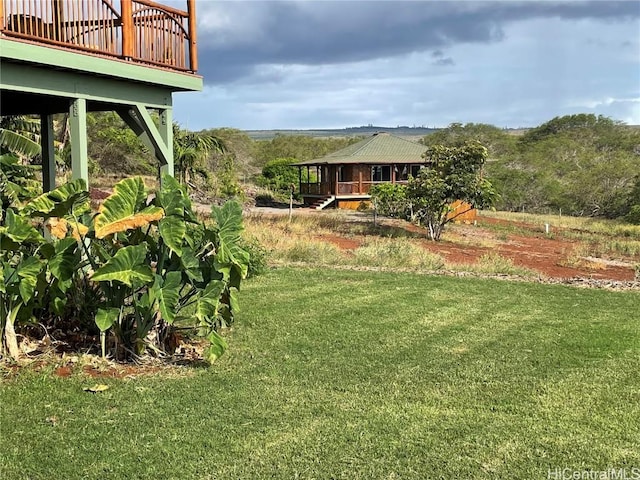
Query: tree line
579, 164
576, 164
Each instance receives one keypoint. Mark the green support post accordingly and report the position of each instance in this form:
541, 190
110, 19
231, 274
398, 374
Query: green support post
48, 153
78, 134
166, 132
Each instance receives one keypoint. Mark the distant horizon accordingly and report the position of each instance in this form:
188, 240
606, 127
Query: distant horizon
375, 127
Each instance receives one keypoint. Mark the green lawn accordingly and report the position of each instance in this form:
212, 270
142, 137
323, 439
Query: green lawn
359, 375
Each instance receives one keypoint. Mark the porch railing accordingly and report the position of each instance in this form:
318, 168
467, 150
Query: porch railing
323, 188
141, 31
344, 188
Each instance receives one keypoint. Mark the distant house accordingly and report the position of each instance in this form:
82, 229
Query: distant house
343, 178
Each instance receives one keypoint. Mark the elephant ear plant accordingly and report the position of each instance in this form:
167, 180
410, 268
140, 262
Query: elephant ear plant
35, 274
152, 265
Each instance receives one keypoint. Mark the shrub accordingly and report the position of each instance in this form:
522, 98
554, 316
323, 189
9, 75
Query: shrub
634, 215
279, 175
258, 256
390, 199
148, 265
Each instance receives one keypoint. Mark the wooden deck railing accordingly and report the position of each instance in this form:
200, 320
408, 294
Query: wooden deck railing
140, 31
344, 188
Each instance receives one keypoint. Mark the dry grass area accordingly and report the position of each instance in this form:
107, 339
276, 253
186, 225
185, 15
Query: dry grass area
499, 244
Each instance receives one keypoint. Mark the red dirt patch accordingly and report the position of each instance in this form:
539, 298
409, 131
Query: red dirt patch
551, 257
340, 242
63, 372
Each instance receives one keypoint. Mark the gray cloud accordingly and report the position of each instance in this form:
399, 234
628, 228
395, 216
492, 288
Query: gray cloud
443, 62
237, 37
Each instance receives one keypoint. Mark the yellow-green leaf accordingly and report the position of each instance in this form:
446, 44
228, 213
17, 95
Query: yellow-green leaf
125, 209
126, 266
97, 388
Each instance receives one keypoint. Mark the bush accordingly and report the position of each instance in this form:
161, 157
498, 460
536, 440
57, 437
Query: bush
258, 256
390, 200
634, 215
279, 175
145, 265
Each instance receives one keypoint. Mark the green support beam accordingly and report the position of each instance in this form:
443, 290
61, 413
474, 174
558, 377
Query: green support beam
158, 139
162, 152
166, 132
129, 117
48, 153
78, 136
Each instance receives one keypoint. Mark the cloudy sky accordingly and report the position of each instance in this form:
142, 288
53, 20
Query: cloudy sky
333, 64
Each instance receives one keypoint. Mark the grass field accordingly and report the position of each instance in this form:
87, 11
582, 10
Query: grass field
359, 375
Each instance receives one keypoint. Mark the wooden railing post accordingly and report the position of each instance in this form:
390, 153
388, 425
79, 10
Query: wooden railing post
193, 49
127, 28
1, 15
59, 32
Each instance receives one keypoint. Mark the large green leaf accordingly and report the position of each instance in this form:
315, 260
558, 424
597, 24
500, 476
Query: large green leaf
126, 266
167, 292
174, 200
28, 271
217, 347
208, 303
191, 264
172, 230
64, 262
229, 223
124, 209
234, 304
19, 229
18, 143
17, 181
105, 317
70, 198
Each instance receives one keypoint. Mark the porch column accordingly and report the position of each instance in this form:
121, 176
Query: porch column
360, 179
393, 173
48, 153
166, 133
336, 176
300, 179
78, 135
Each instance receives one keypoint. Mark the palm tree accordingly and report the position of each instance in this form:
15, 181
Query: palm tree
190, 149
20, 135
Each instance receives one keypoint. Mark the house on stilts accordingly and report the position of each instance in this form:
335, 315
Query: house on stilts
79, 56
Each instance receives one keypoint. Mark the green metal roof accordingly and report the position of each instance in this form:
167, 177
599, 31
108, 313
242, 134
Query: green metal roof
380, 148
